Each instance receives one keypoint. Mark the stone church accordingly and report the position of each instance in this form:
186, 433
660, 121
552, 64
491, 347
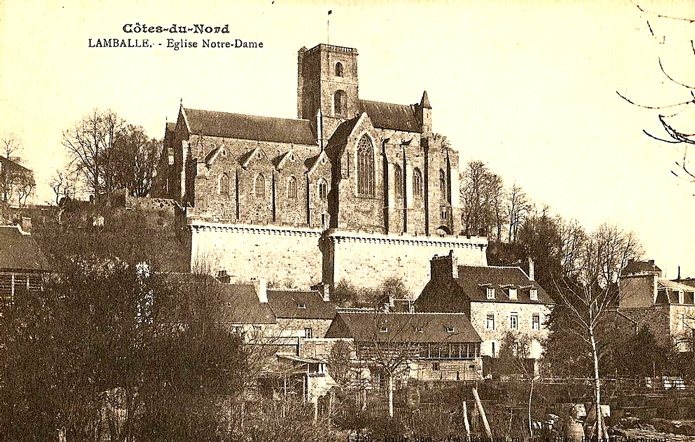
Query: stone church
350, 189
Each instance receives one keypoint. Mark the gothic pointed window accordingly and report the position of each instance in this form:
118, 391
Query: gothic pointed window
339, 69
259, 186
340, 103
365, 167
417, 183
292, 188
224, 184
442, 185
323, 189
398, 181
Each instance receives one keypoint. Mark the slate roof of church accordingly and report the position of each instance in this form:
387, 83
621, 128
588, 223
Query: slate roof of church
403, 327
475, 279
391, 116
250, 127
20, 252
286, 304
341, 133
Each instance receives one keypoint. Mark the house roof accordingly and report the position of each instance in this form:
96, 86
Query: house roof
674, 285
242, 306
475, 279
287, 304
250, 127
634, 267
687, 281
239, 302
390, 115
6, 162
20, 252
371, 326
342, 132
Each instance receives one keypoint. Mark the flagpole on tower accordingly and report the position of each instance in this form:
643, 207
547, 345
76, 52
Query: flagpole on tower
328, 26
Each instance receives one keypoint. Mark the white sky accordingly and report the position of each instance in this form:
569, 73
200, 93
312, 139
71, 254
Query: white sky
528, 87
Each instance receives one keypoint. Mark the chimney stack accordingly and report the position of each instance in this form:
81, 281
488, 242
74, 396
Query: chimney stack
223, 276
531, 269
260, 285
679, 273
444, 267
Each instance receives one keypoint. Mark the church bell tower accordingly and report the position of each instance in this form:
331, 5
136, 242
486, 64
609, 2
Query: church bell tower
327, 82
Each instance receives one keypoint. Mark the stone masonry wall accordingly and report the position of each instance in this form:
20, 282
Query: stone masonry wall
502, 311
367, 260
284, 256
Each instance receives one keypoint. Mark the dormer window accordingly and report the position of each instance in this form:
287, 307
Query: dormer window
419, 329
490, 292
384, 329
533, 294
449, 329
512, 293
301, 306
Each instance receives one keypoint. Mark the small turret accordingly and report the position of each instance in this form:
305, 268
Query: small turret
424, 113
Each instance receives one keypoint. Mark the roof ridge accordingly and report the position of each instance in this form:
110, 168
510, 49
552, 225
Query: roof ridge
249, 115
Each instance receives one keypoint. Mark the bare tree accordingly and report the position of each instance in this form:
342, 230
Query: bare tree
88, 142
63, 184
518, 207
588, 294
10, 146
674, 117
482, 194
515, 357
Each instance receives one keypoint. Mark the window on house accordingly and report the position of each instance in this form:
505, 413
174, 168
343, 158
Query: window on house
398, 180
490, 292
224, 184
490, 321
512, 294
680, 297
536, 321
292, 187
514, 321
339, 69
365, 167
533, 294
308, 333
417, 183
340, 103
259, 186
435, 366
323, 189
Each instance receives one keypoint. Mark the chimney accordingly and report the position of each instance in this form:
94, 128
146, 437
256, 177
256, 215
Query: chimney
679, 273
531, 269
444, 267
26, 224
259, 284
223, 276
324, 290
